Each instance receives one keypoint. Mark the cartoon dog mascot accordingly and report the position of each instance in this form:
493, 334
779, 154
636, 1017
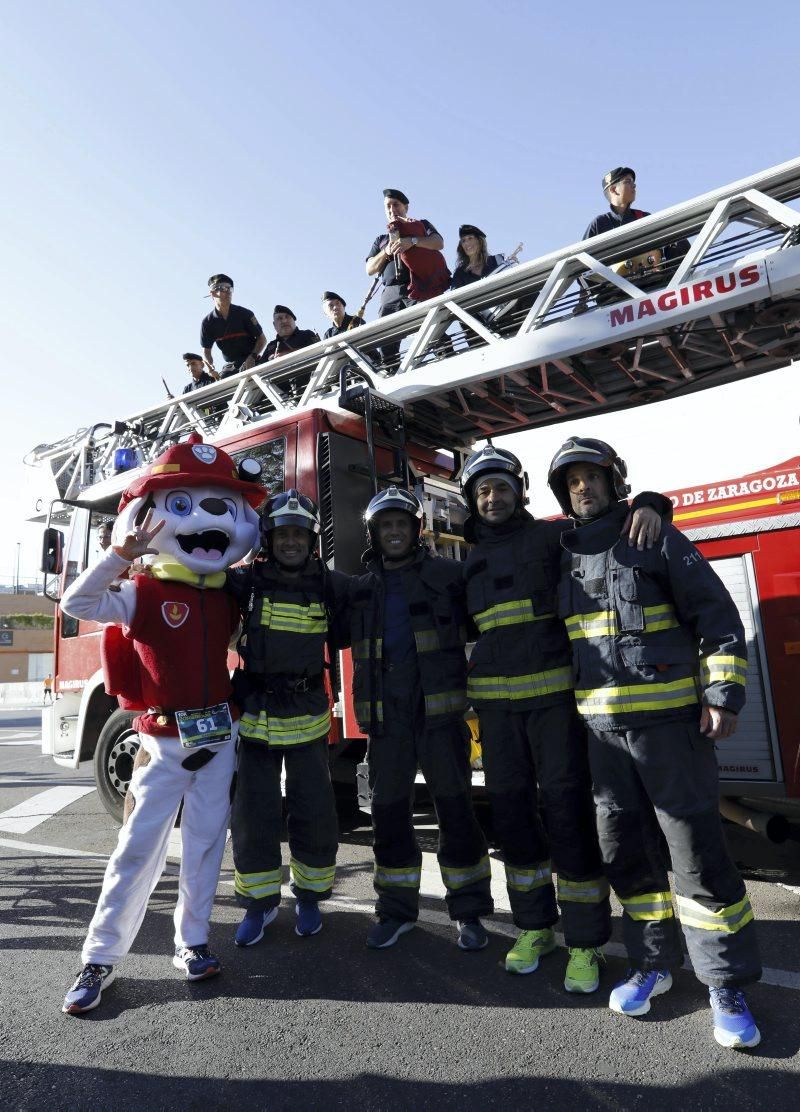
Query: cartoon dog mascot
190, 516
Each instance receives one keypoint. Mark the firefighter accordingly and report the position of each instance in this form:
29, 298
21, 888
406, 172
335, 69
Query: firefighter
408, 634
533, 742
660, 655
291, 605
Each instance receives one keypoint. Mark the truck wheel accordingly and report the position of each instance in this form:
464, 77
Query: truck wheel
113, 761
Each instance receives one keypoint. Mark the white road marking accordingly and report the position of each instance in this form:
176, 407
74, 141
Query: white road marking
31, 812
789, 888
35, 743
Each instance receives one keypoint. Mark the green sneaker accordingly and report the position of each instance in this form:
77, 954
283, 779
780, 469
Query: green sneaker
523, 957
583, 972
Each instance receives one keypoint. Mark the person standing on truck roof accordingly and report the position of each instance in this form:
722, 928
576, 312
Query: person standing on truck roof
333, 306
533, 743
234, 330
660, 658
292, 606
288, 337
408, 633
384, 260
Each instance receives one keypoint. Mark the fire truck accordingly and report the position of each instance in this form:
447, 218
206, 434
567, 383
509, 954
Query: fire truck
577, 332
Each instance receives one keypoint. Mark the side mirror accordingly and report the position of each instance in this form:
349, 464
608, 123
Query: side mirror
52, 552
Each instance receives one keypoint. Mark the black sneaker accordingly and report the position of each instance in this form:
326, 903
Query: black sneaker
386, 932
88, 988
472, 935
197, 962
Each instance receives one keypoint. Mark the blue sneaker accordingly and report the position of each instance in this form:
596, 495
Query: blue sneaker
632, 996
733, 1021
251, 928
309, 918
197, 962
88, 988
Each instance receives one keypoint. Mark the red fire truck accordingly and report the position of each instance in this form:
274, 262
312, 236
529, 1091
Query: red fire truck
749, 527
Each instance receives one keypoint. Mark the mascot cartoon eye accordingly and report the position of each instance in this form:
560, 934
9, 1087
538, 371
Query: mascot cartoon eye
179, 503
232, 507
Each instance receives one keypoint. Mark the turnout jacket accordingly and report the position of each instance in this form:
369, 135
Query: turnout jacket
434, 589
286, 625
653, 633
522, 657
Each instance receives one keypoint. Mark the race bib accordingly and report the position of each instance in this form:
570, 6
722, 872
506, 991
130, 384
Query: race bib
208, 726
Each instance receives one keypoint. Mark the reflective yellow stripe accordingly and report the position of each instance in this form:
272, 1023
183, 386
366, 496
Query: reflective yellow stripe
446, 702
603, 623
363, 712
294, 617
728, 920
507, 614
582, 891
426, 640
258, 886
314, 880
360, 649
649, 906
297, 730
637, 697
397, 878
466, 874
520, 687
718, 668
525, 880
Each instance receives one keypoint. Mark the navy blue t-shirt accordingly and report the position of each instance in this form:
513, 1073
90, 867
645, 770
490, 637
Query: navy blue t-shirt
398, 637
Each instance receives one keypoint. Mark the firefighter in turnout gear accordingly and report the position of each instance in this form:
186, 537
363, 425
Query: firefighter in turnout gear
534, 744
291, 605
660, 663
408, 636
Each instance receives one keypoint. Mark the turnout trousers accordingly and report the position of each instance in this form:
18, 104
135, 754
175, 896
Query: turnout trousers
536, 760
442, 754
257, 821
665, 776
136, 864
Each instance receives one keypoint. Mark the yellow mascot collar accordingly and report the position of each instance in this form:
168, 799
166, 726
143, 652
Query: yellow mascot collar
165, 568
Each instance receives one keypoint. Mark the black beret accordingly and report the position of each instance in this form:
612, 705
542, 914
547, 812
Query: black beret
396, 195
218, 279
329, 295
617, 174
187, 355
284, 309
470, 230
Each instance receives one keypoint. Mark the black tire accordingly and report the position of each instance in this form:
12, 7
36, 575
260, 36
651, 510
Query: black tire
113, 761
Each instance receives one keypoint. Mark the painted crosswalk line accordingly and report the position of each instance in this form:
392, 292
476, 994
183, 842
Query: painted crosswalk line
39, 808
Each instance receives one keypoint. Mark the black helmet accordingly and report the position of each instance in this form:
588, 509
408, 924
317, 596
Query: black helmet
393, 498
290, 508
491, 460
581, 449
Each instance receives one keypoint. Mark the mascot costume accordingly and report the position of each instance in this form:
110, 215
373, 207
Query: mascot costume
190, 516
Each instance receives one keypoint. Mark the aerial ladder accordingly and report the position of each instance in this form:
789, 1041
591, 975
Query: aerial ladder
564, 336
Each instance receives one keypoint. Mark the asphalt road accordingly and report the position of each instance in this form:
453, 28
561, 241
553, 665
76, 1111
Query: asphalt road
305, 1023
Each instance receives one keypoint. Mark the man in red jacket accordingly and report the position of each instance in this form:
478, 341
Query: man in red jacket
190, 515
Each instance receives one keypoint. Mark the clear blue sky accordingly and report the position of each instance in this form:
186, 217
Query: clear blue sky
147, 146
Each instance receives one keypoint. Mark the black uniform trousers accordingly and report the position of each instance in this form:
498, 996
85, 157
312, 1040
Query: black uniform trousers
533, 759
442, 754
256, 822
666, 776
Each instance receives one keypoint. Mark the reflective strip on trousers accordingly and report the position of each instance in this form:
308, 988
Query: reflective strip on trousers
446, 702
525, 880
314, 880
398, 878
603, 623
284, 732
728, 920
459, 876
426, 640
508, 613
582, 891
649, 906
363, 711
520, 687
257, 886
637, 697
360, 649
294, 617
718, 668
